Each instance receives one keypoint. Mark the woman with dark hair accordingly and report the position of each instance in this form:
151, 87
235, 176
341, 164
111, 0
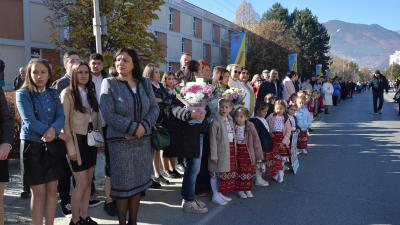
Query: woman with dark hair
249, 98
130, 110
42, 119
81, 111
6, 139
187, 142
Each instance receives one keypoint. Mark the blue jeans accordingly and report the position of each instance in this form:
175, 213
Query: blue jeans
190, 176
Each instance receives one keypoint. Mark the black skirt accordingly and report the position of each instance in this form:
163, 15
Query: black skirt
88, 155
42, 165
4, 176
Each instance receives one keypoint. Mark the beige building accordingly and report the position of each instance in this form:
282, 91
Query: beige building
181, 27
184, 27
23, 35
394, 58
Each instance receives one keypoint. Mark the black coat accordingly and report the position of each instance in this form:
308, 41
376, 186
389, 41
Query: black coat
6, 121
185, 138
263, 134
268, 87
379, 84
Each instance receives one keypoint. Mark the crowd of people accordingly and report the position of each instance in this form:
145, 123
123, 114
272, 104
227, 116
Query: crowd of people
234, 146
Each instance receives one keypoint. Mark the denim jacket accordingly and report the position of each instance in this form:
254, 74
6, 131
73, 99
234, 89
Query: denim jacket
48, 113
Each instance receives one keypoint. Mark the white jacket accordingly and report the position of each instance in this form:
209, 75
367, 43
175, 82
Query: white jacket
327, 90
304, 118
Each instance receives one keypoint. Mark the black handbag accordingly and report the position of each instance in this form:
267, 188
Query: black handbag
160, 138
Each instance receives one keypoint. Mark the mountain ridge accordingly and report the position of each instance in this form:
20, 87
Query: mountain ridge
367, 44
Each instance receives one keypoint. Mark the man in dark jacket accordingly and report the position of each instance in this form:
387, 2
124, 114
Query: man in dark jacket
379, 83
273, 86
6, 140
19, 79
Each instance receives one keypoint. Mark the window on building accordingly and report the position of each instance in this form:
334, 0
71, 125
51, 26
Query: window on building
169, 67
170, 19
174, 20
186, 45
36, 53
207, 52
162, 39
197, 28
216, 34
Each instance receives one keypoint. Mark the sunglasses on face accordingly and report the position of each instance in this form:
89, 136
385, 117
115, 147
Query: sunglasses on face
237, 71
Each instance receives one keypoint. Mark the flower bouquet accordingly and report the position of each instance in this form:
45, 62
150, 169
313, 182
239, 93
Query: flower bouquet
195, 96
235, 95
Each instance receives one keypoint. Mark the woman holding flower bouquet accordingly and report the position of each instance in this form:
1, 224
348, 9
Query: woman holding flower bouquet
187, 141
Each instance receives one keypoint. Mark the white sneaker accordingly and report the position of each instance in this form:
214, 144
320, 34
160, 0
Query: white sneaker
260, 181
276, 177
249, 194
218, 200
242, 194
192, 207
225, 197
305, 151
281, 175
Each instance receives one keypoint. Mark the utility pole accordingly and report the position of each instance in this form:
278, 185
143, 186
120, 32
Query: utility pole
97, 25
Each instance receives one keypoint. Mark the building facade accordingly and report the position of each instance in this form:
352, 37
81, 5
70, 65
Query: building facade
24, 35
184, 27
394, 58
181, 27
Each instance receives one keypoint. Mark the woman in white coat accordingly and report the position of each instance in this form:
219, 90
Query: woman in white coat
327, 90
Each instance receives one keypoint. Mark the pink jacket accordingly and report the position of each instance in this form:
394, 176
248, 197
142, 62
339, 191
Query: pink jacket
288, 88
287, 130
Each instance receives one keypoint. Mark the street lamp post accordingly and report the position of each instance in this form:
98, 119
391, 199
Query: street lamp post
97, 25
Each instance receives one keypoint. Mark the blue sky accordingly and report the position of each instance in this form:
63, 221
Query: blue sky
383, 12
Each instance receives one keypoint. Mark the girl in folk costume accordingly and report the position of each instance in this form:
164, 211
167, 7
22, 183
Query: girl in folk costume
281, 131
292, 109
304, 120
248, 151
312, 104
264, 134
222, 160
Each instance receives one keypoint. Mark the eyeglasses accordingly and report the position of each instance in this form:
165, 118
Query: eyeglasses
237, 71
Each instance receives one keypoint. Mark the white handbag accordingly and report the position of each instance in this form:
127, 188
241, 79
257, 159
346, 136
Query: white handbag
95, 138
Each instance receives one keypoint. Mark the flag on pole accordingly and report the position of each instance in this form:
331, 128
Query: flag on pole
238, 48
318, 69
292, 61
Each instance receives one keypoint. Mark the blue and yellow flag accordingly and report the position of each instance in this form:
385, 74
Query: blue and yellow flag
238, 48
318, 69
292, 60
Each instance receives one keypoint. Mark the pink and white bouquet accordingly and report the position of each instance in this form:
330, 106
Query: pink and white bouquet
196, 96
235, 95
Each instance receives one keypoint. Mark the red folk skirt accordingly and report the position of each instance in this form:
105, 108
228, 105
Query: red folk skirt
275, 158
302, 140
227, 180
245, 169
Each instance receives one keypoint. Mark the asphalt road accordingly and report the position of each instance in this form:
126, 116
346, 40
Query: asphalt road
350, 177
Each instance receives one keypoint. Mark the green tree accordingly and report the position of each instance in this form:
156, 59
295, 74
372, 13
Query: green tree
127, 23
269, 47
392, 72
277, 12
313, 39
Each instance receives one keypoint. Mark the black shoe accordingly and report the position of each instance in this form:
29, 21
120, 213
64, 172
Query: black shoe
110, 208
176, 174
162, 180
25, 194
65, 208
379, 112
180, 168
167, 174
155, 185
88, 221
79, 222
143, 194
310, 130
94, 202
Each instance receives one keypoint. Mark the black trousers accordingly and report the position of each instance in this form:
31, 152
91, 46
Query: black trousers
64, 183
377, 101
335, 100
